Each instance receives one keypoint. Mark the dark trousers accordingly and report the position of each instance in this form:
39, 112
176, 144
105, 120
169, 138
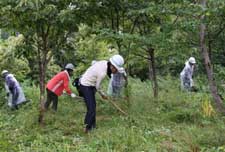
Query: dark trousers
89, 98
15, 95
51, 97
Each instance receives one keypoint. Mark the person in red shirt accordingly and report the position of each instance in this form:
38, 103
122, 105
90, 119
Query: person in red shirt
56, 86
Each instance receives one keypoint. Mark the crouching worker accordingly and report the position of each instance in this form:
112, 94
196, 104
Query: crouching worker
90, 83
56, 86
14, 91
116, 83
186, 75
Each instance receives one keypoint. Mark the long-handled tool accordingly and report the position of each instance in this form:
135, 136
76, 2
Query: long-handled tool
116, 106
79, 98
108, 99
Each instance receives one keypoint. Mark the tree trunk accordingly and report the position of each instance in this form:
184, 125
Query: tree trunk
152, 72
43, 61
112, 20
210, 47
42, 67
208, 66
119, 46
42, 72
118, 27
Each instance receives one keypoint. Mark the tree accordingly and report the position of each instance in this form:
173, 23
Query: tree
207, 62
46, 25
16, 66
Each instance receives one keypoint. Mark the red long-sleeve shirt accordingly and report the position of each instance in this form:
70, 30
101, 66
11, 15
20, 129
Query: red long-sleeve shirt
59, 82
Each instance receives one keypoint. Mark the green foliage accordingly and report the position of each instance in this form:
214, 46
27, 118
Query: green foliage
45, 26
8, 60
88, 48
173, 122
81, 31
170, 27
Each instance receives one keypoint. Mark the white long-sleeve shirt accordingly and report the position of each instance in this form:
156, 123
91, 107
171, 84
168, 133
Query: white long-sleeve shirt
95, 74
187, 72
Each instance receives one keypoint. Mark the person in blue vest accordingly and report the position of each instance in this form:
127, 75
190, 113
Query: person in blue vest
116, 83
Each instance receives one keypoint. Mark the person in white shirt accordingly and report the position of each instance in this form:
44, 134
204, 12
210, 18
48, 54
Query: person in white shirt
90, 83
187, 73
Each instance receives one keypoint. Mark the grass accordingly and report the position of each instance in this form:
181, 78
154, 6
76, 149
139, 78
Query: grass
174, 122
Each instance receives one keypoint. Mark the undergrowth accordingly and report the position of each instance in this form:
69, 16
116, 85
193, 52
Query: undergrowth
173, 122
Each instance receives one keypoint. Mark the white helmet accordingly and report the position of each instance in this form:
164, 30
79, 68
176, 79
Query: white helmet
4, 72
117, 61
69, 66
192, 60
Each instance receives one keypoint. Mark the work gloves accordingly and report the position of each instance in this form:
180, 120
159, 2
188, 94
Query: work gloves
73, 95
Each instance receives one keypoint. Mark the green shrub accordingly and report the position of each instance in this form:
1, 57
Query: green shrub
173, 122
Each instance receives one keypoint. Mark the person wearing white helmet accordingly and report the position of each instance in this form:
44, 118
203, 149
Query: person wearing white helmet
187, 73
90, 83
56, 86
14, 91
